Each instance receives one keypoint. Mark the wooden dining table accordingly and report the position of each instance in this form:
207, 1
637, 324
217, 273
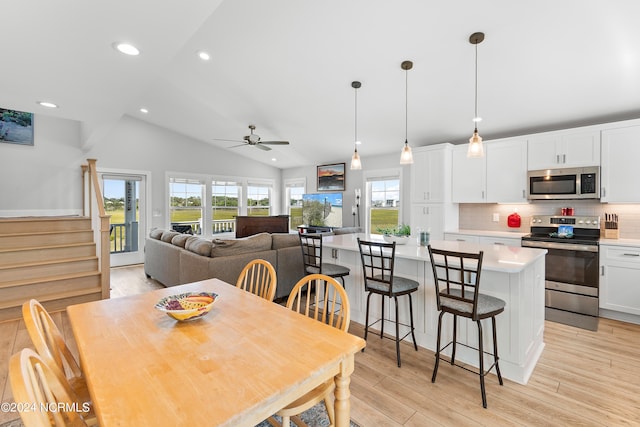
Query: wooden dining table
237, 365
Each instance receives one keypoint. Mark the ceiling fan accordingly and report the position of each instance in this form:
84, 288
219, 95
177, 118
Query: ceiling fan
254, 140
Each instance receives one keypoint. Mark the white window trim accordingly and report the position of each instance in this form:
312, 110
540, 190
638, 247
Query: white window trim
208, 179
291, 183
379, 174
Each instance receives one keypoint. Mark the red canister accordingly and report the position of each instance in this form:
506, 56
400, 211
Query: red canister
514, 220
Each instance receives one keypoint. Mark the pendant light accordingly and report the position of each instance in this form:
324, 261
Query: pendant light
406, 157
475, 142
356, 164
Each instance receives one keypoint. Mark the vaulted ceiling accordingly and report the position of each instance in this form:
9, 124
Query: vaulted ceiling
286, 66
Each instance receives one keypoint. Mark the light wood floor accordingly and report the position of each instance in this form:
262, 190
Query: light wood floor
583, 378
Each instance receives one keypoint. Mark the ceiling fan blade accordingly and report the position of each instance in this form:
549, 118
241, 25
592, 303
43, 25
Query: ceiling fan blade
275, 142
226, 140
262, 147
239, 145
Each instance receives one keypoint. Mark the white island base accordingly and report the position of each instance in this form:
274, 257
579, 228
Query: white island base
513, 274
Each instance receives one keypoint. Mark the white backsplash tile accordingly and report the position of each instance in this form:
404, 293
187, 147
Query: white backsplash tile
480, 216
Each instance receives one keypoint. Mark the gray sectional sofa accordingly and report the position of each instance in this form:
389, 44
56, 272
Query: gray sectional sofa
173, 258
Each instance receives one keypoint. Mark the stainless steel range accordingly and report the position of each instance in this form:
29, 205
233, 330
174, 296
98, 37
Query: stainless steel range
571, 267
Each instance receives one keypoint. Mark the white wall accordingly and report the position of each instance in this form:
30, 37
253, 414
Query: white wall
355, 179
43, 179
137, 145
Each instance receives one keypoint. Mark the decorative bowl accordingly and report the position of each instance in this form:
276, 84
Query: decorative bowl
400, 240
187, 306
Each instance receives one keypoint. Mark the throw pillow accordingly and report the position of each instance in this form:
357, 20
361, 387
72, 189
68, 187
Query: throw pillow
180, 240
156, 233
198, 245
168, 235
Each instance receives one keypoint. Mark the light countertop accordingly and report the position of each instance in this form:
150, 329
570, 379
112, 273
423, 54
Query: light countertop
620, 242
487, 233
499, 258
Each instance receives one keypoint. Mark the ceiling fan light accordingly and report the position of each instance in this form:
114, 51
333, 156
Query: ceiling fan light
406, 156
356, 164
475, 145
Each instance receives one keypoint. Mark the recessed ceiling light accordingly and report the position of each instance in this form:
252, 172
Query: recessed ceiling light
126, 48
273, 159
358, 142
47, 104
203, 55
144, 110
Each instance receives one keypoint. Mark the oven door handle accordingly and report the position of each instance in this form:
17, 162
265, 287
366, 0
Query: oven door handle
561, 246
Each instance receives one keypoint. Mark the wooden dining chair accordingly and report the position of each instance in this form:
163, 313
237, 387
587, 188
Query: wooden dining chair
322, 298
259, 278
50, 402
50, 345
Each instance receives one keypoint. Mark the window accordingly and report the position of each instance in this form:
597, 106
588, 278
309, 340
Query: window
225, 205
383, 202
186, 203
294, 191
258, 199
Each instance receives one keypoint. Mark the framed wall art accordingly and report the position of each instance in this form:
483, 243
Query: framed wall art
331, 177
16, 127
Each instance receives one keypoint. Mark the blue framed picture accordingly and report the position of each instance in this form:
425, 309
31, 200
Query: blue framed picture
16, 127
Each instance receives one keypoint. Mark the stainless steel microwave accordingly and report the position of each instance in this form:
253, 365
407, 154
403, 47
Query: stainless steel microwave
560, 184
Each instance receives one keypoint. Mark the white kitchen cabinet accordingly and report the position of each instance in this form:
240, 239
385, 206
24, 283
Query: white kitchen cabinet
618, 173
430, 218
469, 175
501, 241
564, 149
498, 177
459, 237
619, 279
429, 179
431, 206
506, 171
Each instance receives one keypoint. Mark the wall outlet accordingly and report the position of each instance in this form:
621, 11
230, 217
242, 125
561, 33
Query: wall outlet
496, 217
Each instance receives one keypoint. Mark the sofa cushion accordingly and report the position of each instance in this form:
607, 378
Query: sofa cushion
198, 245
168, 235
157, 233
180, 240
284, 240
256, 243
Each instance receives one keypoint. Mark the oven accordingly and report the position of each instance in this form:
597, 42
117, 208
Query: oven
571, 267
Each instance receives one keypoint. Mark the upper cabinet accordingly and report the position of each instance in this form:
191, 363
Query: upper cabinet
507, 171
618, 173
564, 149
499, 177
469, 177
430, 174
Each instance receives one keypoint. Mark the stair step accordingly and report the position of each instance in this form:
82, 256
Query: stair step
43, 224
17, 273
11, 310
50, 253
61, 286
44, 239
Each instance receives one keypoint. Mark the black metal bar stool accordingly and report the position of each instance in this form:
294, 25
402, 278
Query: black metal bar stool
457, 281
311, 245
377, 266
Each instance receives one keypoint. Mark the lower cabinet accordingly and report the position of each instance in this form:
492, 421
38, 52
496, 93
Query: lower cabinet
620, 280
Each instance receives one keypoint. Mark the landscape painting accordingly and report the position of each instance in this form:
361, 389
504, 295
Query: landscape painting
331, 177
16, 127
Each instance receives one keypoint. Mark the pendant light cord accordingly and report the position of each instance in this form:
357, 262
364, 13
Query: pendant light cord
355, 141
406, 105
475, 119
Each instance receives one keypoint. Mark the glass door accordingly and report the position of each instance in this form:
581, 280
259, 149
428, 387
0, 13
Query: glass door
124, 197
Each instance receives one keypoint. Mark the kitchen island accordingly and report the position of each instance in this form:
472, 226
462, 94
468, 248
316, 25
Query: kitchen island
513, 274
